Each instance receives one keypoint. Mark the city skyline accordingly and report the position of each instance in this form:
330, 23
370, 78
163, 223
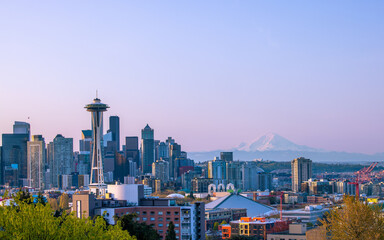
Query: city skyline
210, 75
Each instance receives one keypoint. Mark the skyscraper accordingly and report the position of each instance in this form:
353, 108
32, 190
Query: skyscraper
61, 158
86, 141
301, 171
217, 169
233, 173
114, 127
121, 167
132, 150
162, 151
36, 162
160, 170
21, 128
14, 159
84, 157
226, 156
147, 149
97, 175
174, 153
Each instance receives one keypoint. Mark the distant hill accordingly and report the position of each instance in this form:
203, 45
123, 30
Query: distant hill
277, 148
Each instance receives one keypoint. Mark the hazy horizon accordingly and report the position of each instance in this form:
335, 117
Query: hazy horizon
209, 74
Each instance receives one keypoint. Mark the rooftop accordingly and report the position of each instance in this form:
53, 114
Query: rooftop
235, 201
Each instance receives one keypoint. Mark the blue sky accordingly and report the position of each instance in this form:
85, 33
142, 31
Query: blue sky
209, 73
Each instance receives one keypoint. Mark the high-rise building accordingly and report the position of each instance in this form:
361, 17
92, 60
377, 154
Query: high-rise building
86, 141
160, 170
60, 157
217, 169
174, 153
114, 128
97, 174
183, 164
162, 151
132, 169
13, 164
84, 157
132, 150
50, 176
121, 167
21, 128
301, 171
109, 167
233, 173
226, 156
250, 176
147, 149
84, 164
36, 162
14, 159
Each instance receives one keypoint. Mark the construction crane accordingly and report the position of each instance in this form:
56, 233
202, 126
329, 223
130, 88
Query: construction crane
363, 175
280, 194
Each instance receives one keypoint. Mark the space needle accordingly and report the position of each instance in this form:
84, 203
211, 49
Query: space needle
97, 184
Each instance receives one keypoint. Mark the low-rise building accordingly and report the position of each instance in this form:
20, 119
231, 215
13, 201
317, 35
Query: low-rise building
309, 214
257, 228
318, 199
296, 231
223, 214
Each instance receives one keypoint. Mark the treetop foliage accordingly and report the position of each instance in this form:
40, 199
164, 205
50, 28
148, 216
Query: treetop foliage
354, 220
28, 220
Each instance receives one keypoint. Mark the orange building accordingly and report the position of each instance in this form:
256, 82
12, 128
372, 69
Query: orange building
225, 230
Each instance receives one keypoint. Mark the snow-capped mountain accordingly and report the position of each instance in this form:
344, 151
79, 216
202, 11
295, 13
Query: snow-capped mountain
274, 147
273, 142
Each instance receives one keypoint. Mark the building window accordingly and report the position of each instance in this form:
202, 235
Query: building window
144, 213
78, 208
144, 219
137, 219
160, 230
176, 213
176, 225
176, 231
152, 219
160, 213
152, 213
168, 213
160, 219
138, 213
160, 224
176, 219
168, 219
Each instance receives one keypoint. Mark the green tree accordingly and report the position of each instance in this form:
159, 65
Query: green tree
191, 195
354, 220
64, 201
41, 199
208, 198
216, 226
142, 231
171, 234
23, 196
36, 221
6, 193
53, 203
223, 222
